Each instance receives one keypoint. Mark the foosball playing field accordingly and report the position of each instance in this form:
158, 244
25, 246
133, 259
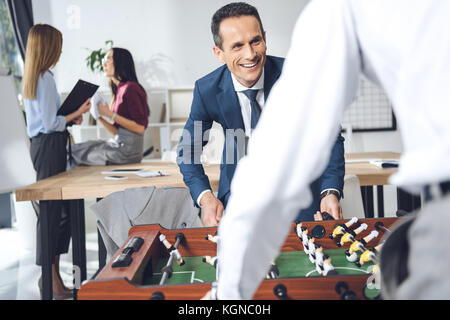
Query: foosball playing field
290, 264
319, 260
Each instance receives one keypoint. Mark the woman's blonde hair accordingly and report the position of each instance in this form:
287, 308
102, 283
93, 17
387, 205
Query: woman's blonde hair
44, 46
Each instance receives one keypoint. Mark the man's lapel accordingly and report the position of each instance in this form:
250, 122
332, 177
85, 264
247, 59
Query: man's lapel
271, 74
229, 103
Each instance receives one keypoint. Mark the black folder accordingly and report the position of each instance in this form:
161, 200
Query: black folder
79, 94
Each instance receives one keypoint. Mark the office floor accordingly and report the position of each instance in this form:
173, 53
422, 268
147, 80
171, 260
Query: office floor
18, 272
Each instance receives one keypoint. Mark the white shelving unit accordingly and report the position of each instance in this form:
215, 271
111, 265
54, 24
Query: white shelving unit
174, 114
169, 110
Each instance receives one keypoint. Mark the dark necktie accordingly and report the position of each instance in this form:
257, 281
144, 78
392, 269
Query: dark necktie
256, 109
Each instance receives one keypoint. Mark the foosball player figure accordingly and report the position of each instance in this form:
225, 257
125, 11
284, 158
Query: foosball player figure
273, 271
368, 255
328, 268
351, 234
319, 258
212, 238
298, 230
359, 246
312, 250
376, 268
211, 260
341, 229
305, 239
172, 249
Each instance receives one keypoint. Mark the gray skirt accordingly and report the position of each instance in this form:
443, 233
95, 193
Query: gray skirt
125, 147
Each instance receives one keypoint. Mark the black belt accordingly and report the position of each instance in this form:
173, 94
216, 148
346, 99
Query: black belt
444, 188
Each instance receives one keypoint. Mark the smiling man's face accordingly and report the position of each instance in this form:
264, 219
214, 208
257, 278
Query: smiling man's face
243, 48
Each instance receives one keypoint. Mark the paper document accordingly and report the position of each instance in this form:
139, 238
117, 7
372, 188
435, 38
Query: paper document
121, 171
95, 100
150, 174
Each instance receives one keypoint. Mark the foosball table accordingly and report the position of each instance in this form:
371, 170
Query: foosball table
331, 259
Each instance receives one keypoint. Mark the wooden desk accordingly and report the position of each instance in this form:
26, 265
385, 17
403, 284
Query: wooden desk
370, 175
88, 182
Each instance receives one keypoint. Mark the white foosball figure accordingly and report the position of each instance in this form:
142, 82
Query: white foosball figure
327, 266
305, 239
319, 258
172, 249
312, 250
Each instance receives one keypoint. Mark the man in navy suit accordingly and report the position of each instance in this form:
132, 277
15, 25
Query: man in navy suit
233, 96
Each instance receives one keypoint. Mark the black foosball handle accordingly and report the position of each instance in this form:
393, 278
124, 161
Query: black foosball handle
327, 216
280, 291
180, 236
157, 295
380, 227
343, 291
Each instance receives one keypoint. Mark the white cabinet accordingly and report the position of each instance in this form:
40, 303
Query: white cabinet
177, 106
169, 110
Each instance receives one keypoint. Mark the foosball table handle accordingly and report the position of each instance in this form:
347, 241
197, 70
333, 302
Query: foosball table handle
280, 291
157, 295
343, 291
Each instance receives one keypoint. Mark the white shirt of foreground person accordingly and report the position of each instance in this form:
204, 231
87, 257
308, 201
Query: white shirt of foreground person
401, 45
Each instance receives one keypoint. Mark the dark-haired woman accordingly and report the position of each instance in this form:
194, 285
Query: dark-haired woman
129, 113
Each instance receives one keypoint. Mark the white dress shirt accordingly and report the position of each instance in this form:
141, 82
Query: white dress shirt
403, 46
41, 112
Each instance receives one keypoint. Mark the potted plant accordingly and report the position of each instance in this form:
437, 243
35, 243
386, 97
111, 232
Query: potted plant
95, 57
94, 61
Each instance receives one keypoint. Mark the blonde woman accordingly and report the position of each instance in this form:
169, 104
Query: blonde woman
49, 135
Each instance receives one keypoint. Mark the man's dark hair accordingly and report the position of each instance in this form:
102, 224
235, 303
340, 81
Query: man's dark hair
235, 9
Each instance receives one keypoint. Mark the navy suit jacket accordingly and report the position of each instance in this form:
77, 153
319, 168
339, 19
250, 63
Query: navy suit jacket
216, 100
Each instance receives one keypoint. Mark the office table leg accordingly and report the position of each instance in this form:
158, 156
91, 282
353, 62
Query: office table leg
78, 242
380, 201
101, 249
407, 201
367, 194
47, 291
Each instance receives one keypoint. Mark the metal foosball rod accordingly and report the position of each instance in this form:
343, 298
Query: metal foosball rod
173, 251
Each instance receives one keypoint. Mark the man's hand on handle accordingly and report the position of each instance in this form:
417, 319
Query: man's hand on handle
330, 204
212, 209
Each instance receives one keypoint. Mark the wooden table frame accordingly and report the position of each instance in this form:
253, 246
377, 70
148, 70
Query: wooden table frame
122, 283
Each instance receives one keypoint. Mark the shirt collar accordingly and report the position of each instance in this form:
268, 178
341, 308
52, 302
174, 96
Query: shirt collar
257, 86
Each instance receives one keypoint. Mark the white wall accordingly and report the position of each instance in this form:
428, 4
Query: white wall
170, 40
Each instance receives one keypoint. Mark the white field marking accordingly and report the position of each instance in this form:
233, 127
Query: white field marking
179, 272
347, 268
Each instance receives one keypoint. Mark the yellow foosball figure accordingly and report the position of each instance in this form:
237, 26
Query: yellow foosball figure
368, 255
359, 245
341, 229
351, 234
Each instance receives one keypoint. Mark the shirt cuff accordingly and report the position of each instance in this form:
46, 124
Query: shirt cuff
201, 195
330, 189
